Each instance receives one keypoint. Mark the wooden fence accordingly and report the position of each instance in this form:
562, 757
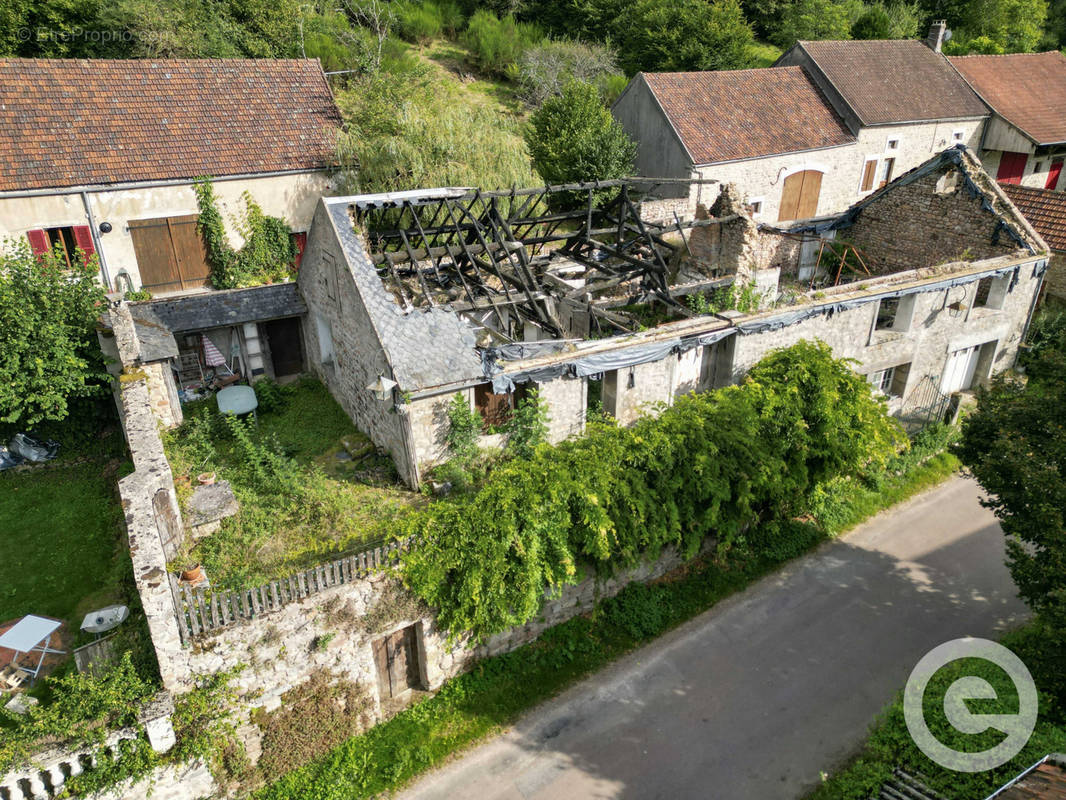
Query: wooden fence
202, 612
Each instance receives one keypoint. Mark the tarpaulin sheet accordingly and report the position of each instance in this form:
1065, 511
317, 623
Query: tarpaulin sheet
591, 364
801, 314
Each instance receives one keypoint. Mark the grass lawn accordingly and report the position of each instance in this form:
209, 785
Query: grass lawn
61, 532
303, 440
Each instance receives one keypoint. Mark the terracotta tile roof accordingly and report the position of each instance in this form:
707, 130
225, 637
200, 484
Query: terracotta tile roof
724, 116
1046, 782
1045, 210
895, 80
1026, 89
66, 122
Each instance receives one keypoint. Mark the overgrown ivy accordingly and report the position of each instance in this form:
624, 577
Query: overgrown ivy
713, 464
268, 253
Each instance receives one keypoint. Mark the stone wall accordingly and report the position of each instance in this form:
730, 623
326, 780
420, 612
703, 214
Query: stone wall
343, 348
934, 331
1055, 281
932, 220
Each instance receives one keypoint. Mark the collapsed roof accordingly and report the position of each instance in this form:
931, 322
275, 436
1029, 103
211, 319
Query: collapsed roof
456, 281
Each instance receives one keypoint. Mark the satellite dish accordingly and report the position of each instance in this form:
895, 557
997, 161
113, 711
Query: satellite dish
947, 35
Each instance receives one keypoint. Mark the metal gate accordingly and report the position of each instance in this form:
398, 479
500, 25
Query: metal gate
928, 405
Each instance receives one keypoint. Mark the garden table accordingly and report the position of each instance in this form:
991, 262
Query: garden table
31, 634
237, 400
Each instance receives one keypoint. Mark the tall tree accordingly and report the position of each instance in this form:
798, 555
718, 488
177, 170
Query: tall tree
48, 348
1015, 444
573, 137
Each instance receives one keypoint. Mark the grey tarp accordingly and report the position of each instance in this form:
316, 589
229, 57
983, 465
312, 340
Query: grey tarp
591, 364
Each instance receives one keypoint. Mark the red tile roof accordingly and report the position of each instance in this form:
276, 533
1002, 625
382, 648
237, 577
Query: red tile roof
895, 80
1026, 89
1045, 210
66, 122
725, 116
1046, 782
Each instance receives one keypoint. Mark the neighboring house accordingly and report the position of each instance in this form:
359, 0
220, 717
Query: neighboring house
417, 296
1044, 780
101, 155
769, 130
828, 124
1024, 142
901, 98
1046, 211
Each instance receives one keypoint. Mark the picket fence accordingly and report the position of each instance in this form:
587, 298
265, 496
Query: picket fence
203, 611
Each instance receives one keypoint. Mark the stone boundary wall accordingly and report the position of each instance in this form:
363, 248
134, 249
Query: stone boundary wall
52, 768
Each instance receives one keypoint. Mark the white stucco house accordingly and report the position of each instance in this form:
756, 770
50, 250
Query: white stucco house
101, 155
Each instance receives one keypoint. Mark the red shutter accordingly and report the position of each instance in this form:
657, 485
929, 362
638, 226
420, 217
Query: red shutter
301, 242
83, 238
1053, 174
1011, 167
38, 242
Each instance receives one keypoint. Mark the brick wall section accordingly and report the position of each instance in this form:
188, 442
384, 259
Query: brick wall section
895, 231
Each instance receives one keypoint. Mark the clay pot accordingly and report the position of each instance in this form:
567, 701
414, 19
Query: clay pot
206, 478
193, 575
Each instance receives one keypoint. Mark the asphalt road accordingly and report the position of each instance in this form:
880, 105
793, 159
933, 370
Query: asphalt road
753, 698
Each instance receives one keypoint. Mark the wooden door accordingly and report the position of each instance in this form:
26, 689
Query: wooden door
799, 195
1011, 167
396, 656
1053, 174
170, 253
286, 349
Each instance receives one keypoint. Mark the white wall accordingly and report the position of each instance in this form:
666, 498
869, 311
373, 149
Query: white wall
291, 197
842, 167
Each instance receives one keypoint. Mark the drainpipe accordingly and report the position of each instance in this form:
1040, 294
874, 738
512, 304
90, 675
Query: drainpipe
104, 277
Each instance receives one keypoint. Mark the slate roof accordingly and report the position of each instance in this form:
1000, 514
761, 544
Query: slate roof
894, 80
69, 122
725, 116
1026, 89
1045, 210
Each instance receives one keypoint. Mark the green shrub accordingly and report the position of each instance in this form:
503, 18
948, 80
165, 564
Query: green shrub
637, 610
496, 44
712, 464
545, 69
528, 427
419, 22
464, 428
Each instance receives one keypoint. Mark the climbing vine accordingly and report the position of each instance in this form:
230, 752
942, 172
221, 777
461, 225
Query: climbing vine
268, 253
713, 464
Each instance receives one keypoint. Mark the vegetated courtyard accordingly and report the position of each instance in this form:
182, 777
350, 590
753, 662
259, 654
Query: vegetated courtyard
309, 484
61, 526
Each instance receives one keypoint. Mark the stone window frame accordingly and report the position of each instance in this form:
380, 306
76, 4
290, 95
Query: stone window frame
901, 322
958, 136
757, 206
891, 381
863, 190
892, 144
998, 287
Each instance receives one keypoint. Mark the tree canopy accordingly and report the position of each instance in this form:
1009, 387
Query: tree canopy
48, 348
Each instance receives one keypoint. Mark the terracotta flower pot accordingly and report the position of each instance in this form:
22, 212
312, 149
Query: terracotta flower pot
206, 478
193, 575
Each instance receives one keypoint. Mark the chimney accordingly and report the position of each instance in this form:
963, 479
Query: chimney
935, 39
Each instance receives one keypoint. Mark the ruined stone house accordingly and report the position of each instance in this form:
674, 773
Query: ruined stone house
928, 284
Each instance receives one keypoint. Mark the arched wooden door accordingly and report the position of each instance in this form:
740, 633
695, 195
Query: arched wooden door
799, 195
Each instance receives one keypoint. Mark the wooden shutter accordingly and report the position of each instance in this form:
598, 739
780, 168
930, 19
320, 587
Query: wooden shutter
171, 254
155, 255
38, 242
1053, 174
869, 173
799, 195
495, 409
1011, 167
790, 196
190, 251
83, 238
812, 188
301, 242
